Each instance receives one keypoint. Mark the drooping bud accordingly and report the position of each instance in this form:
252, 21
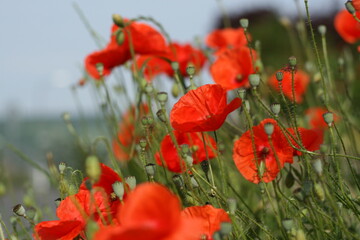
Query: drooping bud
292, 61
62, 167
328, 118
317, 165
161, 115
175, 66
57, 201
162, 97
232, 205
92, 168
100, 68
244, 23
120, 37
288, 224
242, 93
350, 7
150, 169
19, 210
279, 76
254, 80
118, 20
131, 182
322, 29
269, 128
119, 190
275, 108
319, 191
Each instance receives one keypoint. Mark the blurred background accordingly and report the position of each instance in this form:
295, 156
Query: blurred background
42, 47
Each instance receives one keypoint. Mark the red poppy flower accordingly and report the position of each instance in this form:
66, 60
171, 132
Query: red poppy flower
311, 139
244, 158
127, 133
315, 118
232, 67
74, 211
203, 109
211, 218
301, 83
228, 37
347, 27
141, 218
356, 4
144, 40
172, 159
184, 54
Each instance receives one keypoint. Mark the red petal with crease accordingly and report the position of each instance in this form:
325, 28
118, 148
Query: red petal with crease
58, 230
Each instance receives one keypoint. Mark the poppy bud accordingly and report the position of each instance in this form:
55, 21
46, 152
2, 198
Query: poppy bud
175, 66
100, 68
323, 148
150, 169
225, 228
319, 192
185, 149
190, 70
322, 29
149, 88
150, 120
288, 224
19, 210
92, 168
254, 80
298, 194
269, 128
175, 90
292, 61
143, 143
118, 20
161, 115
57, 201
300, 235
62, 167
131, 181
232, 205
118, 188
189, 160
350, 7
162, 97
279, 76
247, 105
193, 181
178, 180
244, 23
317, 165
275, 108
120, 37
242, 93
328, 118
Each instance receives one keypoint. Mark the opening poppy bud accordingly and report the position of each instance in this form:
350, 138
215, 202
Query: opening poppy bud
131, 181
193, 181
57, 201
100, 68
161, 115
317, 165
244, 22
175, 90
190, 70
232, 205
92, 168
150, 169
175, 66
323, 148
120, 37
162, 97
269, 128
279, 76
225, 228
350, 7
275, 108
292, 61
119, 190
322, 29
19, 210
288, 224
149, 88
254, 80
242, 93
178, 180
298, 194
319, 192
143, 143
328, 118
62, 167
118, 20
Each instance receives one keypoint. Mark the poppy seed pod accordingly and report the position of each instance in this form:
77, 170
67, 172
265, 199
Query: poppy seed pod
244, 23
292, 61
175, 90
328, 118
350, 7
92, 168
118, 20
62, 167
143, 143
279, 76
322, 29
275, 108
131, 181
242, 93
190, 70
178, 180
161, 115
317, 165
19, 210
287, 224
100, 69
232, 205
119, 190
254, 80
162, 97
175, 66
269, 128
150, 169
193, 181
149, 88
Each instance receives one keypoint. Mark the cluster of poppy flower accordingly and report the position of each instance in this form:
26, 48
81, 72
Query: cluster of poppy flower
136, 215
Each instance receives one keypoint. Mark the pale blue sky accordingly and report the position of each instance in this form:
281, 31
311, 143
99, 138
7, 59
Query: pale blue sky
43, 42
